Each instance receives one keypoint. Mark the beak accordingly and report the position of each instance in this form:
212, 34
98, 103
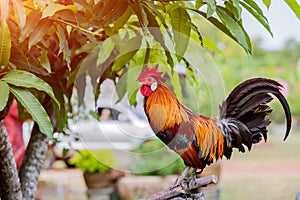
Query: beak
140, 84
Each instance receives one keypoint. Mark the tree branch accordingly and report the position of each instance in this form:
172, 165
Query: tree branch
182, 190
10, 183
32, 162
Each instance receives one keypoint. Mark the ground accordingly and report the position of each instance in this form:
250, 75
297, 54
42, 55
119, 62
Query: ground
270, 172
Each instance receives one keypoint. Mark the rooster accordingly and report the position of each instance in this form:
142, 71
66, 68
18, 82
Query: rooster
201, 140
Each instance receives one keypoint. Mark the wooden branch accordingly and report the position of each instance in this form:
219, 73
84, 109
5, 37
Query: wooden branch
181, 191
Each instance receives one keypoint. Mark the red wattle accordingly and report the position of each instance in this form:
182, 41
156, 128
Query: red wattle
145, 90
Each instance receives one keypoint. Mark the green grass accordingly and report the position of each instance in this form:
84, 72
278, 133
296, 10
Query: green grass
271, 171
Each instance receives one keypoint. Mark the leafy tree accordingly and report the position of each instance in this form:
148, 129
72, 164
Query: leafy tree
48, 48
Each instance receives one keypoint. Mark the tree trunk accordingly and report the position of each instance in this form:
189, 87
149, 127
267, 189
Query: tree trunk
10, 183
32, 162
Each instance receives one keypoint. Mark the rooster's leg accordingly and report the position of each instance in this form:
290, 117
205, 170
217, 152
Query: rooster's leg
193, 177
181, 176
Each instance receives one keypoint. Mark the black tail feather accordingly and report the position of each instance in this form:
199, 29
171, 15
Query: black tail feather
243, 115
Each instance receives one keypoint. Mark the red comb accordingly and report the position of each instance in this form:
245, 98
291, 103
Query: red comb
151, 72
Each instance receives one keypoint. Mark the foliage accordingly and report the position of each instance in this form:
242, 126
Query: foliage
93, 161
152, 165
63, 41
19, 84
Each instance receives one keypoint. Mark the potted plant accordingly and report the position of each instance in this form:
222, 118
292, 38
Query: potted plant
96, 167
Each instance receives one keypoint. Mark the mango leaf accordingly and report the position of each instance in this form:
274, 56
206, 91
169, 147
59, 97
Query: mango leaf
28, 80
140, 12
196, 30
121, 86
216, 23
84, 4
235, 29
134, 70
4, 8
294, 5
155, 31
35, 108
236, 10
174, 79
5, 44
20, 12
118, 10
80, 85
53, 8
86, 48
254, 6
107, 48
63, 43
30, 25
39, 32
267, 3
119, 23
198, 4
45, 63
211, 7
127, 51
258, 15
181, 25
150, 6
4, 94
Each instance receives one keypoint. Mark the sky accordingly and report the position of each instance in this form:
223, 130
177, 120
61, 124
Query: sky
284, 25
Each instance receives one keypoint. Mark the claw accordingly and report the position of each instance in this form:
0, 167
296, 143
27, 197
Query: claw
181, 177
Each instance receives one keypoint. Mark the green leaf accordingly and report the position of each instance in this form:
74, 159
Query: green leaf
80, 85
260, 17
127, 51
4, 94
150, 7
28, 80
294, 5
53, 8
63, 43
39, 32
196, 30
211, 7
119, 23
35, 108
134, 71
267, 3
216, 23
30, 25
5, 44
254, 6
106, 50
238, 10
235, 29
121, 87
20, 12
181, 25
198, 4
209, 44
45, 61
155, 31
